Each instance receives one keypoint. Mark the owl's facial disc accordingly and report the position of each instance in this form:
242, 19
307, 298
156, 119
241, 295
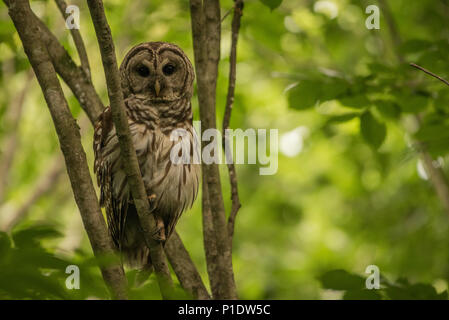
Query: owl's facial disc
158, 76
170, 76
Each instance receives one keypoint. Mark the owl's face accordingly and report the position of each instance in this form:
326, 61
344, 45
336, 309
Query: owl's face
157, 71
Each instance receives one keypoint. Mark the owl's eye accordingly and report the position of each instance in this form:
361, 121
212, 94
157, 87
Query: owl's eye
168, 69
143, 71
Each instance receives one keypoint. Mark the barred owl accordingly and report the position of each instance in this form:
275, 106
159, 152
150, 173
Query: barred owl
157, 84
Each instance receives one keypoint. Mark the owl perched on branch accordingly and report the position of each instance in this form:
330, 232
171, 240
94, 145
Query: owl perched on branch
157, 83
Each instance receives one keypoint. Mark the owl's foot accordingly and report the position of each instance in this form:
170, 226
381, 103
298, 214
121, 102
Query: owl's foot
152, 200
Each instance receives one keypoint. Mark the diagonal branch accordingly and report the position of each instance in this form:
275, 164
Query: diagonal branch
77, 39
128, 153
430, 73
74, 76
70, 143
184, 268
238, 7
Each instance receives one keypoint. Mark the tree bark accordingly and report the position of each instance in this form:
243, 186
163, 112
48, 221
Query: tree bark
77, 39
128, 153
206, 29
238, 11
70, 143
185, 270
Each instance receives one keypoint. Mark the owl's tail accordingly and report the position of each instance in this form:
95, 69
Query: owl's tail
140, 260
133, 248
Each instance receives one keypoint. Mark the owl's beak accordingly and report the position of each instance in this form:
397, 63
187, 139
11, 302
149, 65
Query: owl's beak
157, 88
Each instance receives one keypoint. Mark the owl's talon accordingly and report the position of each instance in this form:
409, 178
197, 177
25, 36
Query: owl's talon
151, 200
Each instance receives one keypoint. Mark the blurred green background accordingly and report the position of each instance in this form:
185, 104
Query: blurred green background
350, 190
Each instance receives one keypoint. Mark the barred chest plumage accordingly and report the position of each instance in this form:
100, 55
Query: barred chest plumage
157, 84
173, 183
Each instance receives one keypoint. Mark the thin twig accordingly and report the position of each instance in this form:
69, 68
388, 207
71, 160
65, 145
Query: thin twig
77, 39
70, 143
226, 14
430, 73
74, 76
227, 117
128, 153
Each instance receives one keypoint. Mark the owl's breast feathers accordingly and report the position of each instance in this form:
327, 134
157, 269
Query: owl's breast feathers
175, 185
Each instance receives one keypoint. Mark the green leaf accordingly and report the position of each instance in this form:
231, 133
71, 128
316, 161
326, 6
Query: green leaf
373, 131
333, 89
272, 4
341, 280
30, 237
358, 101
388, 109
305, 95
412, 103
342, 118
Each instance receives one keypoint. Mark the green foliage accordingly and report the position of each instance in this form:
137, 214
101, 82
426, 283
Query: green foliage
341, 280
354, 288
30, 271
372, 130
352, 196
272, 4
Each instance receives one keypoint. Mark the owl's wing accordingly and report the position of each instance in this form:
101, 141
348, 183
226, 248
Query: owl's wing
116, 207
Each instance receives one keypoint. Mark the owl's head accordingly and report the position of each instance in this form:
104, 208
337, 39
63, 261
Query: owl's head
157, 71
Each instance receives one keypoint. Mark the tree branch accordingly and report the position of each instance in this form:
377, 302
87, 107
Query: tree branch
75, 77
238, 7
128, 153
206, 29
430, 73
213, 260
85, 93
184, 268
77, 39
70, 143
